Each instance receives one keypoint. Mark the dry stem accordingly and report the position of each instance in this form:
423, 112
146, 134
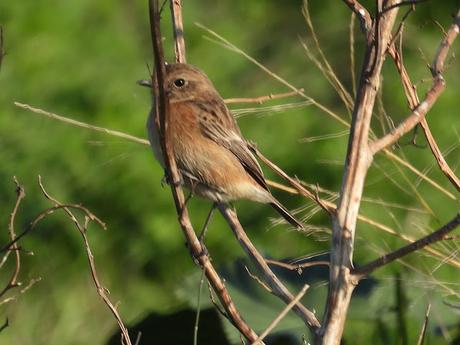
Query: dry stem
276, 286
281, 315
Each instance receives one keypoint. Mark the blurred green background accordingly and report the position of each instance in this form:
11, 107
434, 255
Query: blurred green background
82, 58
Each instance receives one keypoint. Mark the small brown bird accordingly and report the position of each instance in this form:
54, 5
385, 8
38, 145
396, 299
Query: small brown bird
212, 156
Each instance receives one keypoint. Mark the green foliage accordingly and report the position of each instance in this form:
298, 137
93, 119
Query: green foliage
82, 59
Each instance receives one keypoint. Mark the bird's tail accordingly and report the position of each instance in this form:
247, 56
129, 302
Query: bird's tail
286, 214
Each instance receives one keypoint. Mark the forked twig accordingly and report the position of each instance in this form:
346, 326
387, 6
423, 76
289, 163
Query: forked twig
101, 290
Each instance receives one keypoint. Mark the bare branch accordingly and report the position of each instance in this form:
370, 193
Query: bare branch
434, 237
277, 287
262, 99
445, 168
357, 162
82, 124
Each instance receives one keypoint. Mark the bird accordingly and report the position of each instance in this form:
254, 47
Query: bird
213, 158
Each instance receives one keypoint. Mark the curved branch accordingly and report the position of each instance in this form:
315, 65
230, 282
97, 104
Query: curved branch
276, 286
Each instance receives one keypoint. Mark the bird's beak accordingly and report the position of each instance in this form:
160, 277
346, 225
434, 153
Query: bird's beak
145, 82
148, 83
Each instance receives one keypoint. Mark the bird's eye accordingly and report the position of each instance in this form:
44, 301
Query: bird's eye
179, 82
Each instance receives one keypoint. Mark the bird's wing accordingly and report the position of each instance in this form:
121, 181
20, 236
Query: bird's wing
218, 124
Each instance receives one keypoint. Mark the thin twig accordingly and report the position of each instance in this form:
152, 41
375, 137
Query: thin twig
234, 48
101, 290
422, 334
323, 64
434, 237
262, 99
82, 124
403, 3
445, 168
198, 310
296, 184
281, 315
13, 281
297, 267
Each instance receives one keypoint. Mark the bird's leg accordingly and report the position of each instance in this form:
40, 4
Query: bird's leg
204, 250
206, 224
167, 180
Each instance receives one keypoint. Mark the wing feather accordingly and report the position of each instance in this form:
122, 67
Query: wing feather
217, 123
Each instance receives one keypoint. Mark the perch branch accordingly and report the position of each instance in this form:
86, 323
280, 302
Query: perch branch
161, 111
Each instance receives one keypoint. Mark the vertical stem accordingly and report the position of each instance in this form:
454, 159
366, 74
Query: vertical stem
178, 30
358, 160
